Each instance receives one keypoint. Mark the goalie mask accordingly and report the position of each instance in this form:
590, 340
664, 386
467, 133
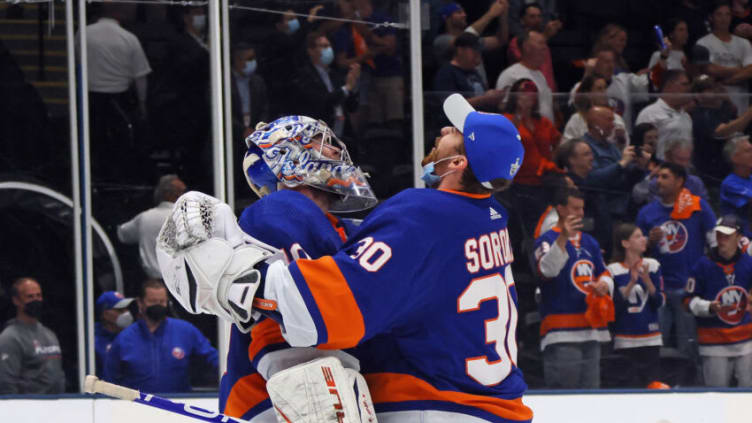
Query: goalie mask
295, 150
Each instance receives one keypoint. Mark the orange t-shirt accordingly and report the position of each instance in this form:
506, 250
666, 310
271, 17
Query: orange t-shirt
539, 146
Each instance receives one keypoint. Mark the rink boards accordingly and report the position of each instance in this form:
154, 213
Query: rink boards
591, 407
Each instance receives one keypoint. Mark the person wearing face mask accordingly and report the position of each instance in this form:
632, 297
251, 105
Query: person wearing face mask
323, 92
112, 309
155, 353
30, 354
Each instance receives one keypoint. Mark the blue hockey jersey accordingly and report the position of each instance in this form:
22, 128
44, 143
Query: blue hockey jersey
636, 323
425, 287
683, 242
293, 223
728, 333
563, 305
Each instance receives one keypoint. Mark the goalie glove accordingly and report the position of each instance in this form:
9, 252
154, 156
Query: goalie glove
208, 263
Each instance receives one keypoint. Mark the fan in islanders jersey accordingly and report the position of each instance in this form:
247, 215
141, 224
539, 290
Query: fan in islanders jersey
424, 289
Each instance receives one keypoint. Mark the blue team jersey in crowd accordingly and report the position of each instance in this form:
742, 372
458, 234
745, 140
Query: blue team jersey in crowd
157, 362
290, 221
736, 192
683, 242
636, 318
563, 305
102, 341
728, 333
425, 285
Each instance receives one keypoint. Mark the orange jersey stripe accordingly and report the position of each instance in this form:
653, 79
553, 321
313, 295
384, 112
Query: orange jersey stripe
724, 335
395, 387
536, 233
649, 335
265, 333
466, 194
339, 310
337, 227
563, 321
248, 392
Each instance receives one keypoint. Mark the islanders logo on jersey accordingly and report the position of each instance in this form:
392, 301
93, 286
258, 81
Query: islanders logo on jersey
178, 353
581, 275
675, 237
734, 302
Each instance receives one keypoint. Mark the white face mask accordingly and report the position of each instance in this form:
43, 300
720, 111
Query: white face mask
124, 320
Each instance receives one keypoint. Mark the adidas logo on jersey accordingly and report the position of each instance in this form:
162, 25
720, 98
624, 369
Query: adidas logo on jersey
494, 214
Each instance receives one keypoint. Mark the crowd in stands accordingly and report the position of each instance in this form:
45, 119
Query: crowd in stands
614, 213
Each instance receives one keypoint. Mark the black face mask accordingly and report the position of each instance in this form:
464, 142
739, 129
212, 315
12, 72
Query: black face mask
34, 308
156, 313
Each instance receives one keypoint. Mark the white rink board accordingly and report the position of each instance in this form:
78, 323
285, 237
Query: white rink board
709, 407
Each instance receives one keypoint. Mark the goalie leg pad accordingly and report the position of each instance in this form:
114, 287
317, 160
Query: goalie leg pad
320, 391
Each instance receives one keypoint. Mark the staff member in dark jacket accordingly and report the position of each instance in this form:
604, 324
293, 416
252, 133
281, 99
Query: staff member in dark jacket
30, 355
322, 92
154, 354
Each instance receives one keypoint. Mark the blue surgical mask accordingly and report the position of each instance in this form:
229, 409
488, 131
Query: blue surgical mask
293, 25
430, 178
199, 22
327, 56
250, 67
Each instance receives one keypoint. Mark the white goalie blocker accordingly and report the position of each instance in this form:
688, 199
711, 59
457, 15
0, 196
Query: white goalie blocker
320, 391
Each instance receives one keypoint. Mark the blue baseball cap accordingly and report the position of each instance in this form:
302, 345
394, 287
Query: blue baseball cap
493, 145
112, 299
447, 10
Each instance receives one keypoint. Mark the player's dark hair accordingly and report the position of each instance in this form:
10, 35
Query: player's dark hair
562, 195
677, 170
153, 284
622, 232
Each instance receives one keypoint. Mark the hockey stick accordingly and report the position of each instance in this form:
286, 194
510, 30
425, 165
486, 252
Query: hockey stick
93, 385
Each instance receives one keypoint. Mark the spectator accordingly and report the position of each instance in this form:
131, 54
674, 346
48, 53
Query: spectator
678, 34
613, 37
322, 93
548, 219
618, 168
717, 293
455, 23
548, 8
386, 92
623, 88
736, 188
693, 13
30, 355
117, 69
278, 55
249, 100
638, 295
645, 135
714, 121
112, 309
730, 55
154, 355
533, 46
461, 75
741, 18
144, 227
679, 226
678, 152
540, 138
531, 17
667, 113
592, 92
571, 264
